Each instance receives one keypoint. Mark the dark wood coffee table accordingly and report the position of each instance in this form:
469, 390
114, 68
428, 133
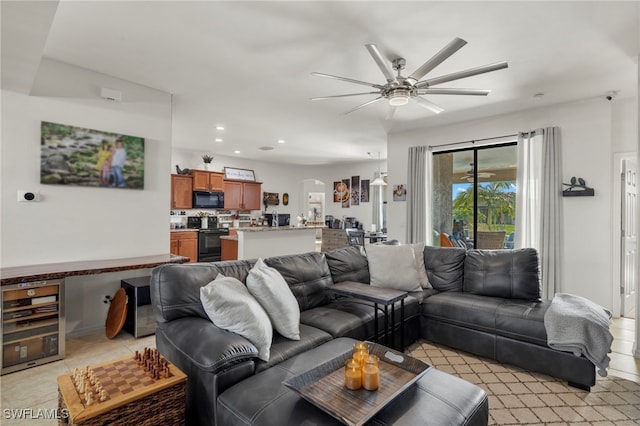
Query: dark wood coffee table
378, 295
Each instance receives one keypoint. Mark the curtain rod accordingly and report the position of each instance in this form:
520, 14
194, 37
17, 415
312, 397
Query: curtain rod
515, 135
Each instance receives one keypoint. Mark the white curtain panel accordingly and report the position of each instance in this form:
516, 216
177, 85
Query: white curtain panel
419, 170
376, 201
539, 202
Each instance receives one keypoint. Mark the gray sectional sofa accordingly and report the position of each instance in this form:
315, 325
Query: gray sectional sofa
484, 302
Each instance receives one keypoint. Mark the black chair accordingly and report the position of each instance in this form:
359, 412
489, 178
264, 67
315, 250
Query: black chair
355, 237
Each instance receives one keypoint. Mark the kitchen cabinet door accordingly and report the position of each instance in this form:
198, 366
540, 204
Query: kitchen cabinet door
200, 180
251, 196
207, 181
232, 195
215, 181
185, 244
181, 192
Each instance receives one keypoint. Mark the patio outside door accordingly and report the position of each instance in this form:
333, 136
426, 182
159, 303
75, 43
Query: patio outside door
629, 267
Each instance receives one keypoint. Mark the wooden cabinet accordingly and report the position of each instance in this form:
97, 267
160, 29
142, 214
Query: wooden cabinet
207, 181
32, 324
230, 246
240, 195
181, 192
185, 243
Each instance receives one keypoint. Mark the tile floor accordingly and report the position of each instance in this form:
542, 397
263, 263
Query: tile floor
36, 388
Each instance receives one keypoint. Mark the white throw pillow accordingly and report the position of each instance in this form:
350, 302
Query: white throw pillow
272, 292
231, 307
393, 267
418, 249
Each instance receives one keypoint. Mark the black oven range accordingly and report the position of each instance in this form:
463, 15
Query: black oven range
209, 245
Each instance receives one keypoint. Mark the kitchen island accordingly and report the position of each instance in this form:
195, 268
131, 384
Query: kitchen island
265, 241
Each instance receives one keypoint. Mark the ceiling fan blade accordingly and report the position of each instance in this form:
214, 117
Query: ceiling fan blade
463, 74
390, 113
363, 105
472, 92
382, 63
350, 80
451, 48
321, 98
428, 105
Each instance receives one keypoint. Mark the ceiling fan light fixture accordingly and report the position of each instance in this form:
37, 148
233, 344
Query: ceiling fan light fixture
399, 97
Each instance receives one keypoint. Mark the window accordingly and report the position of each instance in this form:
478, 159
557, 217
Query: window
474, 197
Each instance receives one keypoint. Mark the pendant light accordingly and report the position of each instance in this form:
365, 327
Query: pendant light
378, 181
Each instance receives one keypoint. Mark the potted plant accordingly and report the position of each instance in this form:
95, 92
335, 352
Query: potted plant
207, 159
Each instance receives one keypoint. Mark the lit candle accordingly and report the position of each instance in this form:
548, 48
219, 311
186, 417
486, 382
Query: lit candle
371, 373
360, 352
352, 375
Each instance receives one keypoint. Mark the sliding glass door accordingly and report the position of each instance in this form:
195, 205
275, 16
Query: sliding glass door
474, 197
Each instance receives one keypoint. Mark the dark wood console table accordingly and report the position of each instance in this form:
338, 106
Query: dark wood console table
378, 295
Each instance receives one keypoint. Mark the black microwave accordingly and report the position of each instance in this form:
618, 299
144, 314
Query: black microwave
208, 200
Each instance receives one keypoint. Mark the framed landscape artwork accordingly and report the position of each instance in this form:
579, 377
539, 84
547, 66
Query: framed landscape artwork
72, 155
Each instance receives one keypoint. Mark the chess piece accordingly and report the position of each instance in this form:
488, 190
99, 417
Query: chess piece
103, 395
89, 397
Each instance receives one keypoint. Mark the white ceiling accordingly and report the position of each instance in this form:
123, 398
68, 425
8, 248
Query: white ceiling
247, 65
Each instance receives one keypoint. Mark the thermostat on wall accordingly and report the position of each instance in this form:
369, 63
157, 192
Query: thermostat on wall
25, 196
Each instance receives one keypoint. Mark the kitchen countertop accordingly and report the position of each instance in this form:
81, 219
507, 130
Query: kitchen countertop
185, 230
229, 237
52, 271
275, 228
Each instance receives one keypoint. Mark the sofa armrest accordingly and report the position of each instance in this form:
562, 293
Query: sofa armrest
206, 346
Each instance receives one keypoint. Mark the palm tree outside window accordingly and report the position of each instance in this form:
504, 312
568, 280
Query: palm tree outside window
474, 197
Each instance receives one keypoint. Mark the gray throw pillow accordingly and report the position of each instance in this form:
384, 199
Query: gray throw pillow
231, 307
272, 292
418, 249
393, 267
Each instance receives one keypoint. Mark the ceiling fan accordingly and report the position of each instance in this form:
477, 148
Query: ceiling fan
469, 175
398, 90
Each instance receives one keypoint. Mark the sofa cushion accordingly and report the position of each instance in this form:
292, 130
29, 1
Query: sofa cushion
418, 250
393, 267
175, 288
352, 317
511, 274
348, 264
345, 317
231, 307
445, 267
307, 275
523, 320
282, 348
272, 292
463, 309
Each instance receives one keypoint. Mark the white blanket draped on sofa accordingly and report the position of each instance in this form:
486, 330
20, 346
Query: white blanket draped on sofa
575, 324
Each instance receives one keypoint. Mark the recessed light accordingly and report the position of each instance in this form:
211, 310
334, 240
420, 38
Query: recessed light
218, 140
219, 127
280, 140
236, 152
538, 96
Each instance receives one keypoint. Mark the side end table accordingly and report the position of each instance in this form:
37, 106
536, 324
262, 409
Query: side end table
378, 295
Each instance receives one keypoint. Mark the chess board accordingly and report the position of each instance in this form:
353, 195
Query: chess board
120, 385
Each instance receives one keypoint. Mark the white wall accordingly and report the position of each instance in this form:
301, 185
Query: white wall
74, 223
586, 129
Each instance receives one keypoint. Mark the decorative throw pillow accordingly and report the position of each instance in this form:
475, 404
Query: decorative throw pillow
231, 307
272, 292
393, 267
418, 249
